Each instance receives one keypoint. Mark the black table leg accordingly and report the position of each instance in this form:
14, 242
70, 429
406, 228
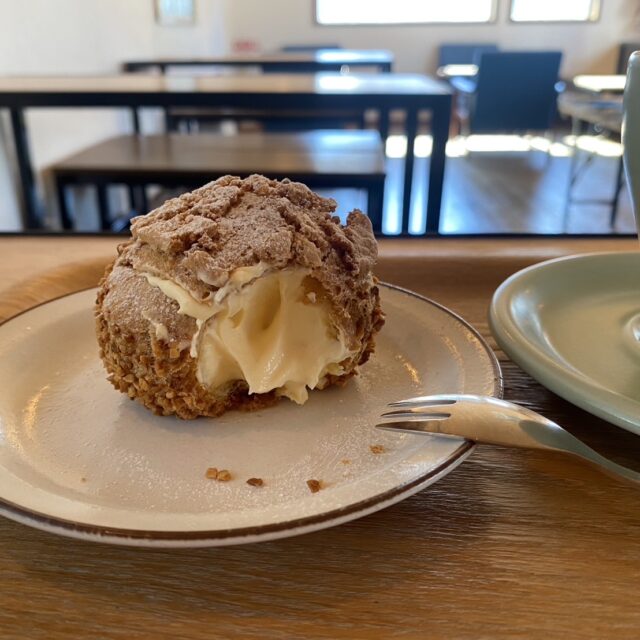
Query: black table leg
411, 131
138, 198
132, 199
440, 121
63, 207
135, 120
144, 203
375, 200
32, 218
103, 207
383, 124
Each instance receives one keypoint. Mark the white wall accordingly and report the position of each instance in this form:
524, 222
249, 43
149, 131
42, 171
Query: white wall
86, 37
587, 47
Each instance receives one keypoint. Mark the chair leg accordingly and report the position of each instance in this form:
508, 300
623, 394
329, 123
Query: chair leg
550, 137
576, 128
616, 195
63, 205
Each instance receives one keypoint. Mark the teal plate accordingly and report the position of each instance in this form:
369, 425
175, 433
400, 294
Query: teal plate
574, 325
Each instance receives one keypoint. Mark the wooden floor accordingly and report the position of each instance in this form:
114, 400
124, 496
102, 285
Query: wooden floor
497, 192
522, 192
526, 193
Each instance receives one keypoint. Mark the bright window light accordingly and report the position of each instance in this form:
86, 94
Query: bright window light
403, 11
175, 12
555, 10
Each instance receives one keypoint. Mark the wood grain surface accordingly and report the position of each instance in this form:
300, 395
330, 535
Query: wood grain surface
60, 89
512, 544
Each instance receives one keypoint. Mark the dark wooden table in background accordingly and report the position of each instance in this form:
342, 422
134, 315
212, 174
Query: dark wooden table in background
382, 92
513, 543
279, 62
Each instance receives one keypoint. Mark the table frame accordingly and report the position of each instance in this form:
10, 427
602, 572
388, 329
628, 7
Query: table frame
583, 119
577, 169
438, 103
277, 63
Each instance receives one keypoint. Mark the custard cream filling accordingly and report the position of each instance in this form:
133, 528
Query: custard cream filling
265, 328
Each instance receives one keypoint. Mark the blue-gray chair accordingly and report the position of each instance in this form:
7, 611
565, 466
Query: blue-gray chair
514, 92
463, 53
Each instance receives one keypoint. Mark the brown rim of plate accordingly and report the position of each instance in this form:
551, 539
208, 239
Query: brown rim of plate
99, 532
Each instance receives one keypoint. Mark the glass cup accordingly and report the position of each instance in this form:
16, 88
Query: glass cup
631, 133
631, 145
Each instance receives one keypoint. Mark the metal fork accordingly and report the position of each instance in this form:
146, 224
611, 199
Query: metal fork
488, 420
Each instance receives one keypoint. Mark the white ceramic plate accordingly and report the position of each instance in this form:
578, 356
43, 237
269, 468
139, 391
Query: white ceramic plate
79, 459
574, 324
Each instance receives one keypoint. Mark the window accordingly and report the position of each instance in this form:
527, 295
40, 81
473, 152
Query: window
403, 11
555, 10
171, 13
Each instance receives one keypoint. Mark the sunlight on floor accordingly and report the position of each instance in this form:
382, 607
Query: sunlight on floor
475, 146
463, 145
598, 146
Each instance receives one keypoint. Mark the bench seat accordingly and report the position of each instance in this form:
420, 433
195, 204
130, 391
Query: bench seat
320, 159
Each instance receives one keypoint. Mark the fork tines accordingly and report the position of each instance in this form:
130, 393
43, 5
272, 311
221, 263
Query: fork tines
423, 401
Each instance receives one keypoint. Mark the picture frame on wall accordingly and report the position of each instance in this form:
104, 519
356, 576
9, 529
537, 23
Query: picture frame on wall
175, 13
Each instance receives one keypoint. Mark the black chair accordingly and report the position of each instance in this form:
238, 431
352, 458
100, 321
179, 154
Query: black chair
514, 92
463, 53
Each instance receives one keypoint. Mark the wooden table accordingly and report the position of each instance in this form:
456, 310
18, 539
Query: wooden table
322, 159
512, 544
601, 83
277, 92
279, 62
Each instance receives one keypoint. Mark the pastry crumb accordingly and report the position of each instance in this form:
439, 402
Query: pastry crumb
256, 482
314, 485
222, 475
377, 448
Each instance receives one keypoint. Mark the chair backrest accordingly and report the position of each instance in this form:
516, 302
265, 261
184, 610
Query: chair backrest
515, 91
463, 53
